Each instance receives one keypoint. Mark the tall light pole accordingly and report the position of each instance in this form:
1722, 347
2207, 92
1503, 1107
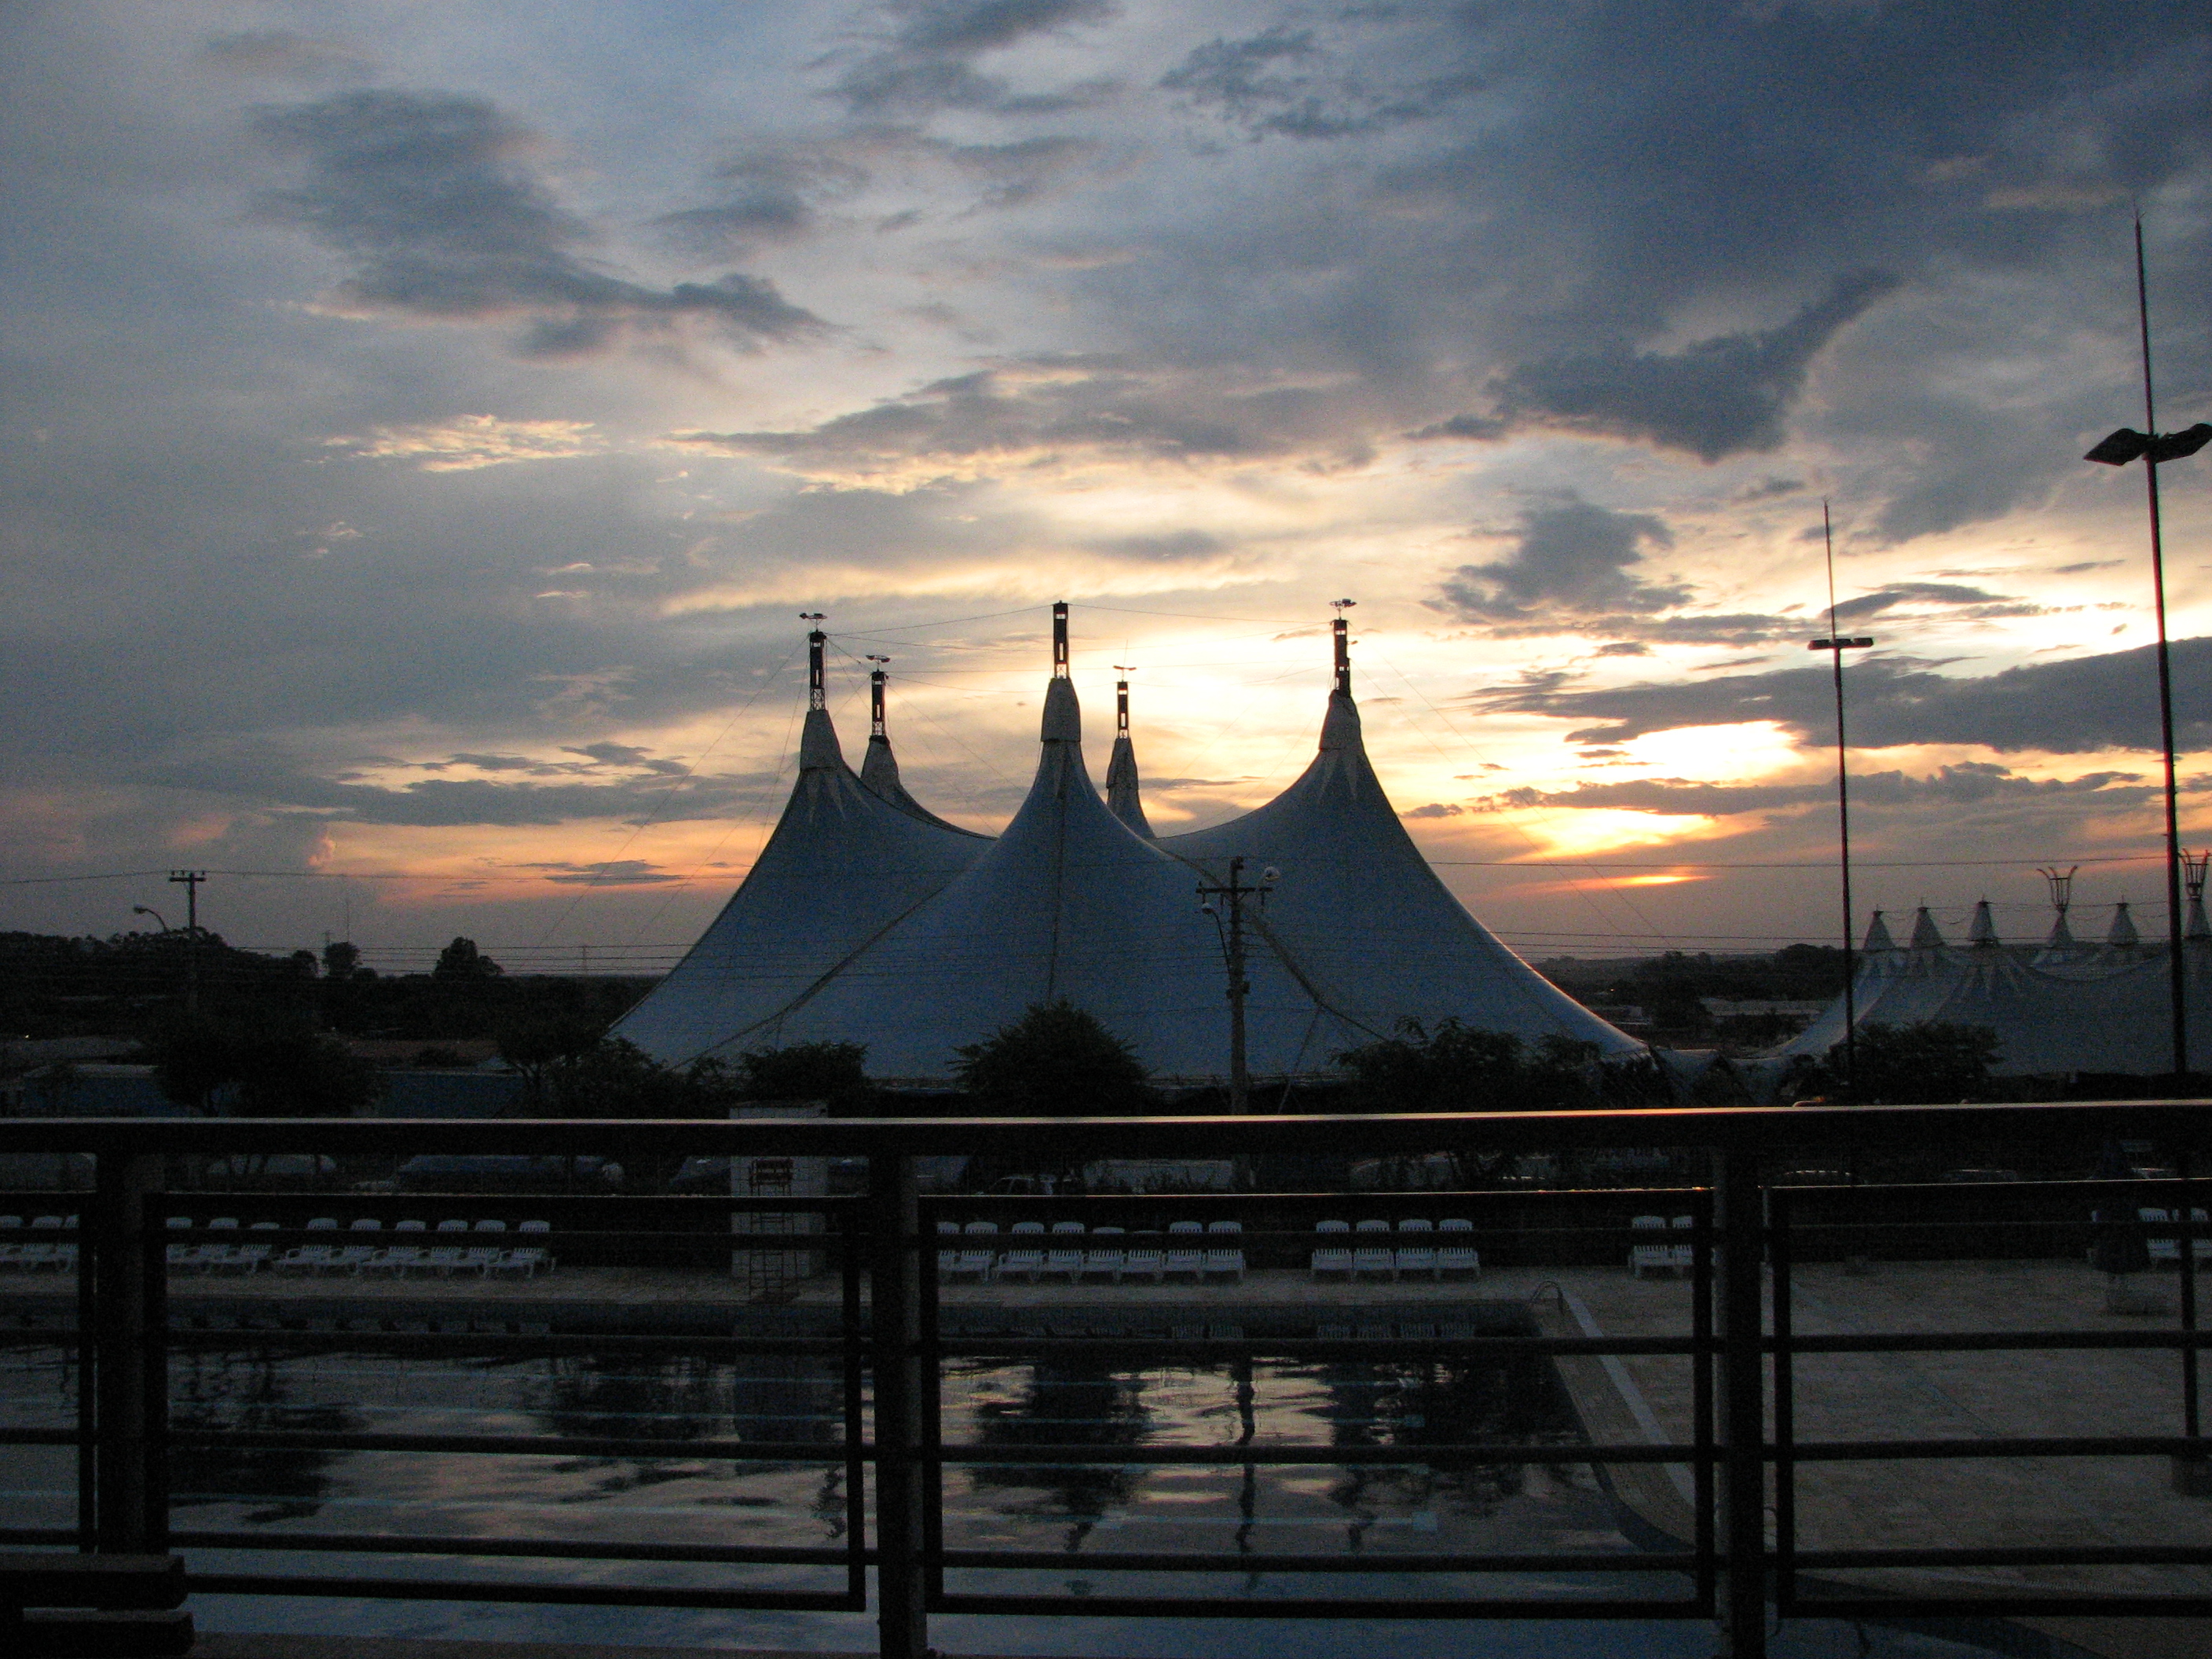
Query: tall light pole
1835, 645
190, 880
2151, 447
1224, 903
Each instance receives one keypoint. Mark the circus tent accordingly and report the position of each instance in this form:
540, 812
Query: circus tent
869, 920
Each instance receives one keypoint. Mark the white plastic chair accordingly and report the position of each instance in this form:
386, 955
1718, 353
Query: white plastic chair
1332, 1259
1683, 1255
1226, 1259
1145, 1258
538, 1256
980, 1259
1420, 1257
1063, 1258
1182, 1257
1646, 1258
948, 1262
453, 1225
1372, 1259
179, 1255
1024, 1258
2164, 1251
1111, 1259
1453, 1256
306, 1259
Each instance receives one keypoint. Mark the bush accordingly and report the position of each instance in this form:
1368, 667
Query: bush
1056, 1061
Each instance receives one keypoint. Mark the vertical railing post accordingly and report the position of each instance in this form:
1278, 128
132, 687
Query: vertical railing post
131, 1367
895, 1325
1743, 1427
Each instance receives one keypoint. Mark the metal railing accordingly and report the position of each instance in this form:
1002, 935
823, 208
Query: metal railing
887, 1343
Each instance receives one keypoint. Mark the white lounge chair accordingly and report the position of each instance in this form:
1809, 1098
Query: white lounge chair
1184, 1257
948, 1262
1144, 1257
1419, 1256
1330, 1258
536, 1254
1110, 1259
444, 1259
1453, 1255
2165, 1248
306, 1259
1370, 1258
1062, 1258
351, 1258
480, 1259
397, 1261
1224, 1258
1649, 1258
2201, 1246
980, 1258
1683, 1252
179, 1256
453, 1225
1025, 1258
217, 1256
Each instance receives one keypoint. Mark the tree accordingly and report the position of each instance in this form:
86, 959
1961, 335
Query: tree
1928, 1064
340, 959
1056, 1061
1457, 1068
832, 1071
461, 960
279, 1069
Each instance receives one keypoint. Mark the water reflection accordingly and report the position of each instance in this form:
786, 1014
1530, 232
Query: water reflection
1062, 1403
250, 1392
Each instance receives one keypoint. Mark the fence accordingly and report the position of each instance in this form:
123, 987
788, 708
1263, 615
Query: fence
884, 1339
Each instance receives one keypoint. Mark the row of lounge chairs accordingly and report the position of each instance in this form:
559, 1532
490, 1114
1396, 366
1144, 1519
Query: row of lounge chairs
1435, 1249
1197, 1250
2167, 1252
51, 1244
1661, 1258
444, 1258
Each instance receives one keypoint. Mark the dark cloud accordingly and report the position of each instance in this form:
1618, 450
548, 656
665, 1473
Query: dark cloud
2080, 707
1026, 411
768, 196
1286, 81
616, 873
1972, 603
926, 60
1572, 555
1714, 398
422, 194
1970, 783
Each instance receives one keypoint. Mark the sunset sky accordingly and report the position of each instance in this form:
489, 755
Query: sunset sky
423, 424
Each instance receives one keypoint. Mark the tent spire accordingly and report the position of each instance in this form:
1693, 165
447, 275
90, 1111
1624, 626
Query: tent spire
1060, 639
818, 749
1984, 928
1123, 797
2122, 933
1340, 629
875, 679
1063, 714
2193, 868
1877, 937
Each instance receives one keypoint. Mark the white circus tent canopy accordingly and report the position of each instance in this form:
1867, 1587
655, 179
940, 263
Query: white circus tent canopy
2056, 1008
868, 920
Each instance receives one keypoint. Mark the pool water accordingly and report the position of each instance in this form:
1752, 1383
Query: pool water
1324, 1508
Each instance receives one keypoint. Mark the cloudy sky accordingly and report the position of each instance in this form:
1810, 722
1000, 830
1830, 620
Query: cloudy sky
422, 424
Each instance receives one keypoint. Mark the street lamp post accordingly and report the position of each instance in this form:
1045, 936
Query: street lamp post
2152, 447
1835, 645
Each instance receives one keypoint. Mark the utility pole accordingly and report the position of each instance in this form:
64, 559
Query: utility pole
190, 880
1228, 896
1835, 645
2152, 446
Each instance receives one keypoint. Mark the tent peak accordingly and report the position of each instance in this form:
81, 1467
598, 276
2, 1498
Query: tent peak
1877, 935
1926, 936
818, 748
1124, 796
1984, 928
2123, 931
1063, 714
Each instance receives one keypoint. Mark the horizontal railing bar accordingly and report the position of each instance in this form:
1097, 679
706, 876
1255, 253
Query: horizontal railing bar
1998, 1605
1122, 1607
1313, 1347
481, 1342
1748, 1128
1877, 1451
718, 1451
524, 1548
610, 1595
2086, 1555
1990, 1341
1406, 1455
1133, 1561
